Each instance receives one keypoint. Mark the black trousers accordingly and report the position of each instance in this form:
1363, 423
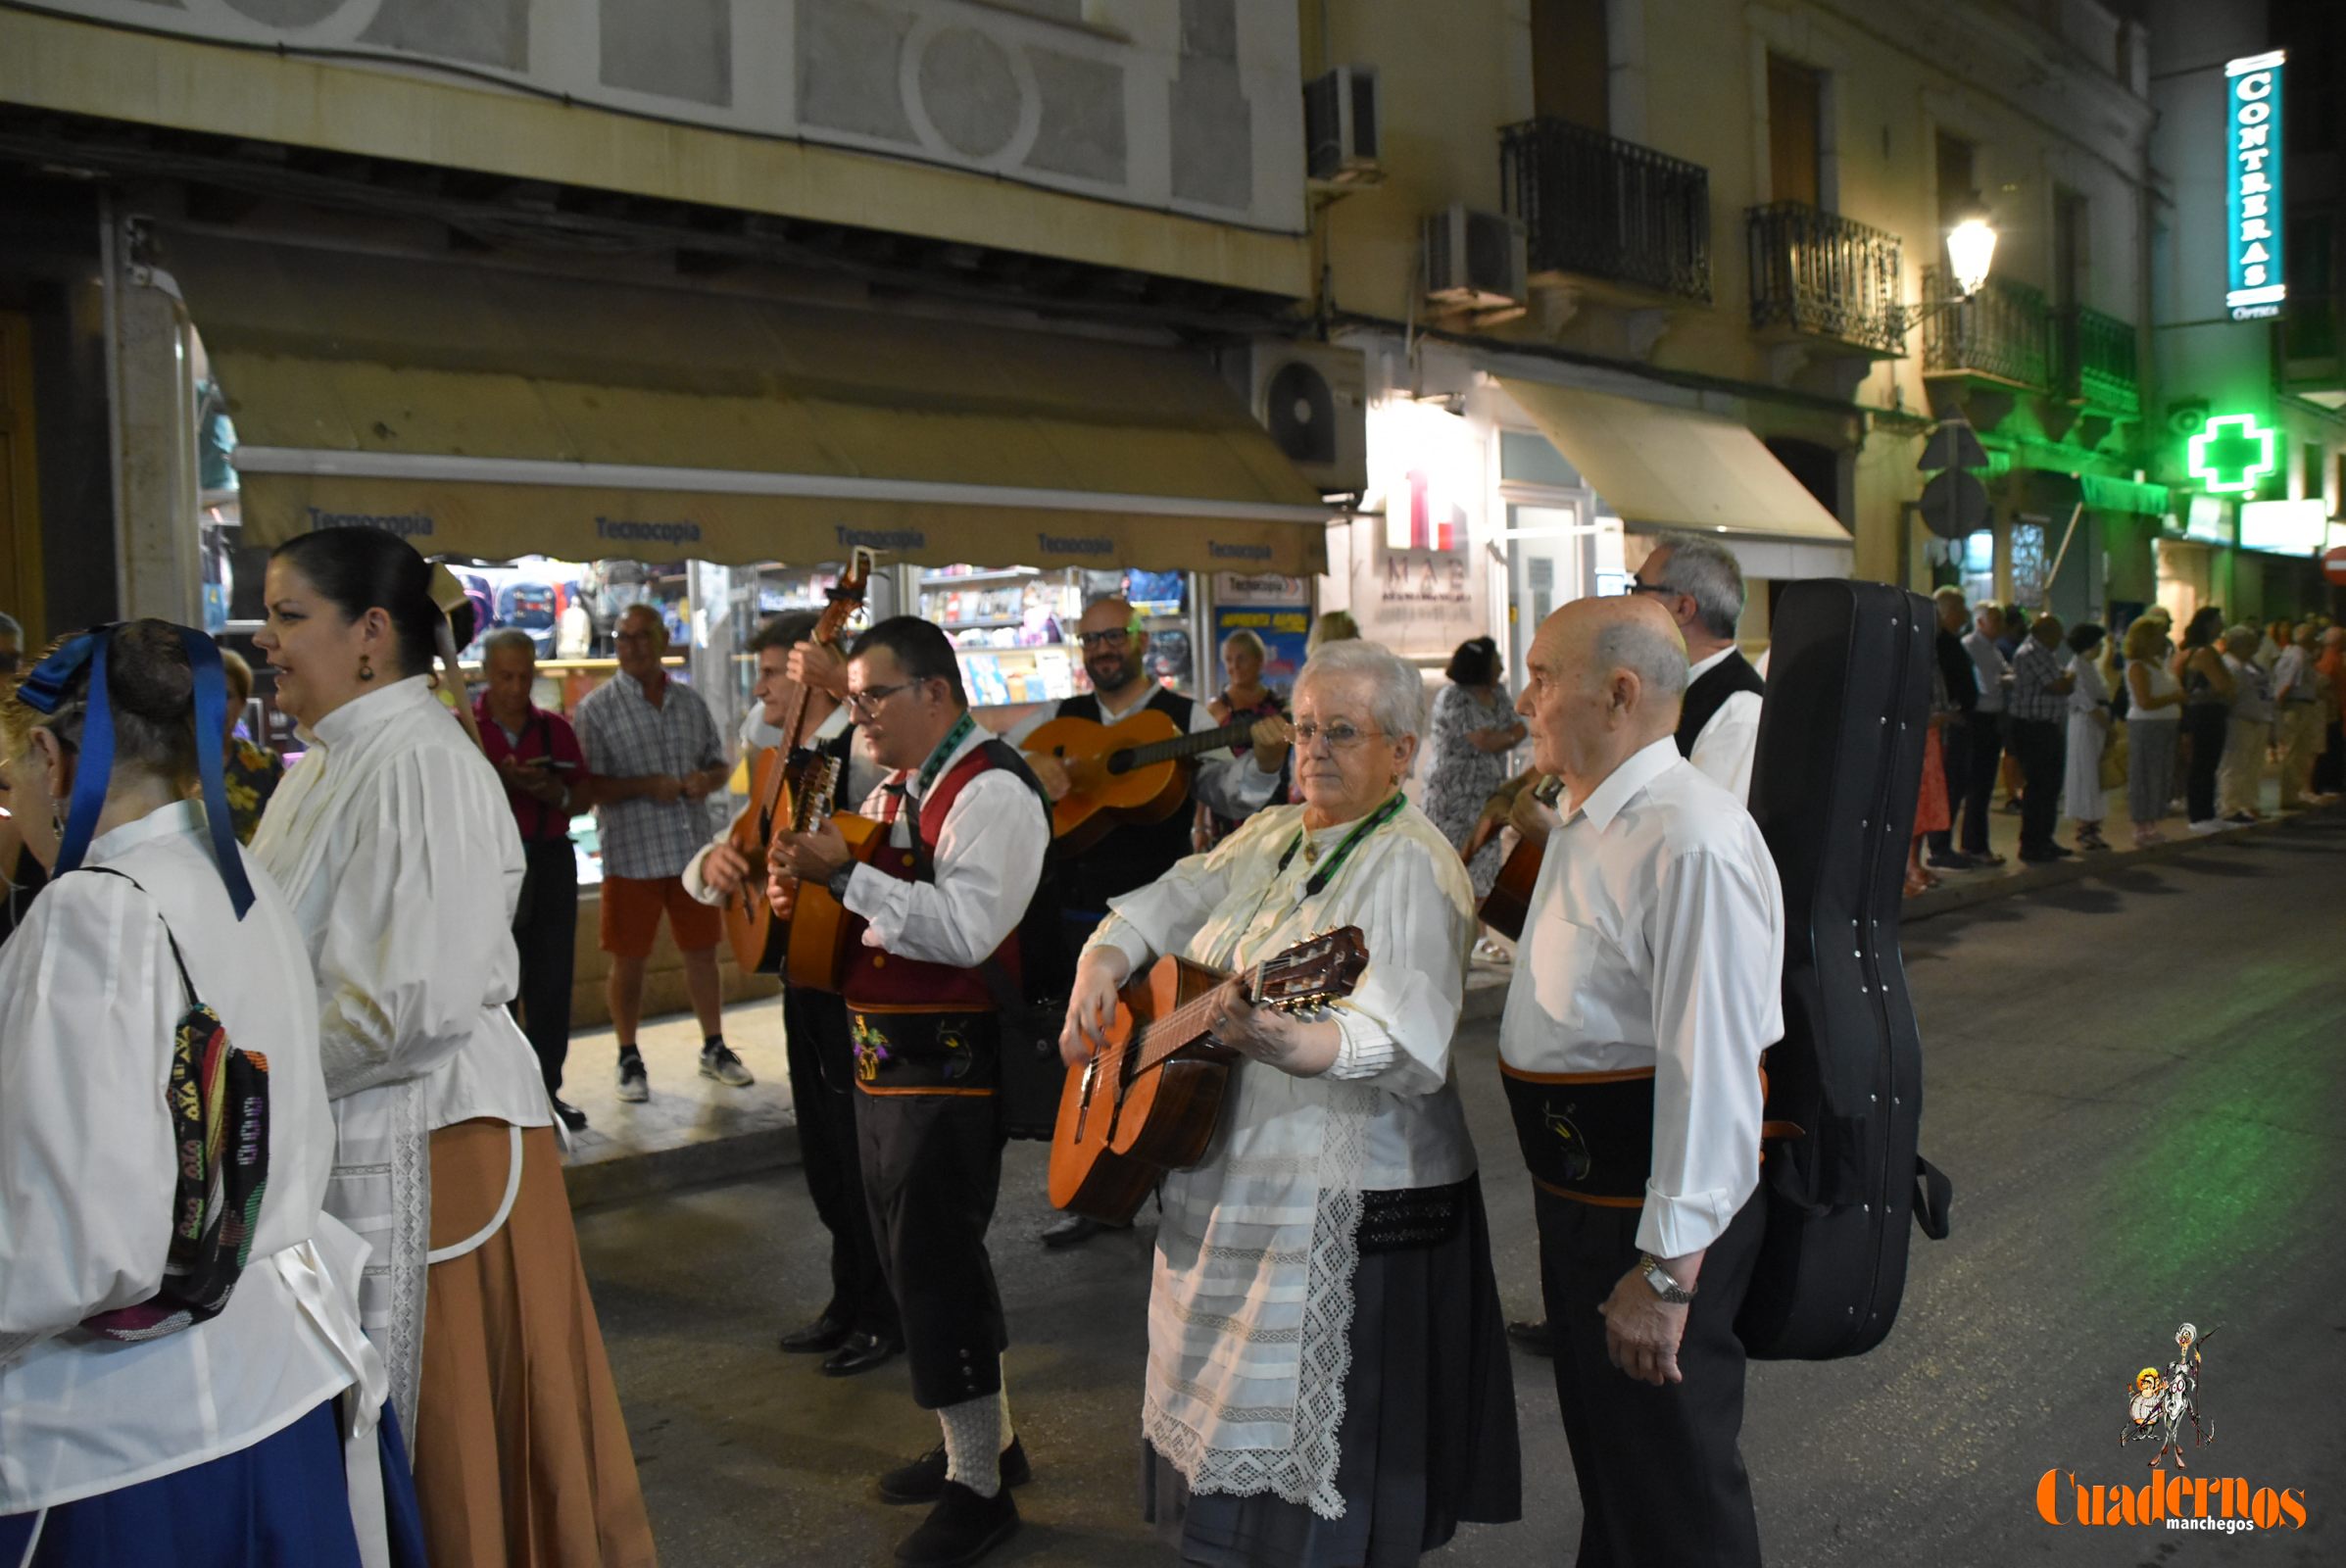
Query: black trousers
546, 931
1660, 1470
932, 1166
822, 1088
2329, 768
2206, 726
1955, 759
2041, 747
1980, 787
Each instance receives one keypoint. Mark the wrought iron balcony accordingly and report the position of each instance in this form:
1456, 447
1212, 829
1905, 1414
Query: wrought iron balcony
1600, 207
1820, 274
2003, 333
2097, 360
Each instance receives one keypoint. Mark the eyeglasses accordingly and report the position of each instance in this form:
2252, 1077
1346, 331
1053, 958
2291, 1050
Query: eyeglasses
866, 701
1340, 736
1117, 638
1662, 588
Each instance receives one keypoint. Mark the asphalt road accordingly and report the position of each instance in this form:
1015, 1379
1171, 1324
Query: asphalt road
2136, 1083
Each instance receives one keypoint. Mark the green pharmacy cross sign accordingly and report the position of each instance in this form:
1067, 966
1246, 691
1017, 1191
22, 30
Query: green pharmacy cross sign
2232, 452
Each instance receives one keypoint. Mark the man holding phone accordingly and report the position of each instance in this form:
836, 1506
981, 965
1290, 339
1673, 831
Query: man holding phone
538, 757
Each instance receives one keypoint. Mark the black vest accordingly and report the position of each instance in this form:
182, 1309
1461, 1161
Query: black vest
1135, 854
1710, 694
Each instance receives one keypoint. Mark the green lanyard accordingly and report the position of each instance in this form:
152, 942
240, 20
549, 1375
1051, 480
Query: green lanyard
1320, 878
945, 749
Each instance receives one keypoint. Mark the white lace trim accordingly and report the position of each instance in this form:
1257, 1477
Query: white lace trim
1304, 1471
411, 1245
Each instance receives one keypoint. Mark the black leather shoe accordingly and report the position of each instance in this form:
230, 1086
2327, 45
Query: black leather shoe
962, 1528
1533, 1336
923, 1480
860, 1352
572, 1118
1952, 860
818, 1338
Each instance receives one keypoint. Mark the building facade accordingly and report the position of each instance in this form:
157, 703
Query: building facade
1731, 223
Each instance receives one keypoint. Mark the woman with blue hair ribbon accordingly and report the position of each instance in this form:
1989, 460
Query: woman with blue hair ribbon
183, 1379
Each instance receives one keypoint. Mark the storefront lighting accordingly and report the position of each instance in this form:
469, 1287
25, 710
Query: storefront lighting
2231, 453
2285, 528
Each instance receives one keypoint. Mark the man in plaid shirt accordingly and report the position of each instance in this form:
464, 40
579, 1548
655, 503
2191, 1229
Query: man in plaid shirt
656, 757
2037, 720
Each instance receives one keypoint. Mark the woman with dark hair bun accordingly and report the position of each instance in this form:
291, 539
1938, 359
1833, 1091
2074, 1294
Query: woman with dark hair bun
382, 837
1474, 727
183, 1378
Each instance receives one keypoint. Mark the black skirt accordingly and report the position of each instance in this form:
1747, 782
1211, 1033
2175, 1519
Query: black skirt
1429, 1433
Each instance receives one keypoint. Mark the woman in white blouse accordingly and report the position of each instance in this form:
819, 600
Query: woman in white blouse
1328, 1378
393, 841
181, 1427
2089, 734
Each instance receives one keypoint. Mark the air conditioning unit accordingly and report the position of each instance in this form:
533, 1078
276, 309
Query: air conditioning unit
1313, 398
1474, 260
1340, 126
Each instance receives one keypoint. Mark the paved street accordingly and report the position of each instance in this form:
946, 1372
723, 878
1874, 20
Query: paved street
2134, 1082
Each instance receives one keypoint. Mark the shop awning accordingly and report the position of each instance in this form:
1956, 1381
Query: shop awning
495, 414
1667, 466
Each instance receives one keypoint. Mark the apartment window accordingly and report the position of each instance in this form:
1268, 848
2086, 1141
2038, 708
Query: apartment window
1571, 63
1958, 179
2069, 248
1795, 133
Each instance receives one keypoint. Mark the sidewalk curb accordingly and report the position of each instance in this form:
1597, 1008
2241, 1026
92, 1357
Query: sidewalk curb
1956, 894
625, 1178
629, 1177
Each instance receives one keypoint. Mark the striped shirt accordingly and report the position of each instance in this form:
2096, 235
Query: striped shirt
626, 737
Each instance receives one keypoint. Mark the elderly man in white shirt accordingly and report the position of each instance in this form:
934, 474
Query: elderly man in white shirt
1700, 582
1645, 988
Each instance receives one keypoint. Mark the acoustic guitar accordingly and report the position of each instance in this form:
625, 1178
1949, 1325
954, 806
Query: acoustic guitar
784, 791
1149, 1101
1508, 904
1129, 771
823, 933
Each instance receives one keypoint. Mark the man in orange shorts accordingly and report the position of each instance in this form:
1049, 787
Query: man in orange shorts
655, 758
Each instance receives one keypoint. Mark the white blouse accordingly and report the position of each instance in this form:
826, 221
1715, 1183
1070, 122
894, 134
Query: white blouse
394, 840
89, 998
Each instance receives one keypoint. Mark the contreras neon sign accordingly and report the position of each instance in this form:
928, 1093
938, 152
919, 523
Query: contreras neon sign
2253, 284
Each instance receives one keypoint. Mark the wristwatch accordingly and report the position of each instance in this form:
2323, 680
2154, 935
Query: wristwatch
1665, 1284
839, 882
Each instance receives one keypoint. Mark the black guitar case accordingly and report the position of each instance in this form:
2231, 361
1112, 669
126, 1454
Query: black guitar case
1834, 788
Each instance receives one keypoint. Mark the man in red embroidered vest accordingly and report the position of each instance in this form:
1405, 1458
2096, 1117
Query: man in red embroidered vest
942, 900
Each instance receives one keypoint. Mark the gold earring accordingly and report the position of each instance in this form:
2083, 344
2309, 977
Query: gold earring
366, 667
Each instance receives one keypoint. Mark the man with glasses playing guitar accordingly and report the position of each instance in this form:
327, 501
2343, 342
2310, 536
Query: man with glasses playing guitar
1135, 854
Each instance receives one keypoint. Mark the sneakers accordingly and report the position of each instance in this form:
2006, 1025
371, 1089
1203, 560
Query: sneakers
962, 1528
634, 1087
718, 1061
2207, 826
923, 1480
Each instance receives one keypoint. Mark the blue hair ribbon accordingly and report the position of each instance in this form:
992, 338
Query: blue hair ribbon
44, 691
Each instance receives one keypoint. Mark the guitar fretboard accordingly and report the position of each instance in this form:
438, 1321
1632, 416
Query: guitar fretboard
1125, 758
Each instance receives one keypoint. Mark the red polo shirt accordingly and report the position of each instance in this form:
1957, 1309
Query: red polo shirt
543, 734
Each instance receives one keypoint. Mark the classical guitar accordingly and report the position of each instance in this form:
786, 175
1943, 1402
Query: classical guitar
783, 792
1508, 904
1149, 1101
1129, 771
823, 934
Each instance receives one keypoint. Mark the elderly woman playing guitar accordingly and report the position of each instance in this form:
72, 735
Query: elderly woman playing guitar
1328, 1379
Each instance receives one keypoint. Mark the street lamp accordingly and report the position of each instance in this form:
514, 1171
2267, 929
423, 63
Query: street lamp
1971, 248
1971, 251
